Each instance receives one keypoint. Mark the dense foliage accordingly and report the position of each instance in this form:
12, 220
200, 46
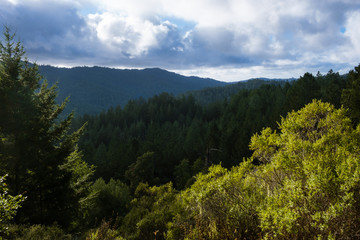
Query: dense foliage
184, 137
181, 167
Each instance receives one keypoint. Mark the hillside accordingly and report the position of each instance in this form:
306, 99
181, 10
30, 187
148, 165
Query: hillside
94, 89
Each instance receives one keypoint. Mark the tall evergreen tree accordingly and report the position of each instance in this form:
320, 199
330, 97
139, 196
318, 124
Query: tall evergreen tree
39, 154
350, 97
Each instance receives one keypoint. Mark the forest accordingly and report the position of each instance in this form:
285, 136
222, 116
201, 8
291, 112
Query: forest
277, 160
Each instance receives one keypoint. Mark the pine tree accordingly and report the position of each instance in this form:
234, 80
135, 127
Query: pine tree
39, 154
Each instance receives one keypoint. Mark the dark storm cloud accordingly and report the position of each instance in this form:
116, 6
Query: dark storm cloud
53, 29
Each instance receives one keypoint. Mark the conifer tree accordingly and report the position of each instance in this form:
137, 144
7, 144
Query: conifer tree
39, 155
350, 97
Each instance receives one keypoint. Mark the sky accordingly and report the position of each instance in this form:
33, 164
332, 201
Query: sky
228, 40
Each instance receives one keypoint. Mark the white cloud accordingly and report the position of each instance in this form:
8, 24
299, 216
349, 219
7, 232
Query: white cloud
233, 74
353, 33
129, 35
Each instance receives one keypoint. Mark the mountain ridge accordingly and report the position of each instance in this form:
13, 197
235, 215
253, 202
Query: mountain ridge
94, 89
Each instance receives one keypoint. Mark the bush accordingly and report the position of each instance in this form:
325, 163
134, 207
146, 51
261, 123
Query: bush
152, 209
306, 186
104, 232
37, 232
219, 205
112, 201
310, 175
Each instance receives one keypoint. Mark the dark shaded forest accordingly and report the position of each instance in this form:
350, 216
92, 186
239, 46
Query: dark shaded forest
268, 160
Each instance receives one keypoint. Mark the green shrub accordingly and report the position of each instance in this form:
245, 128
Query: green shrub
152, 209
104, 232
37, 232
306, 186
111, 202
310, 175
219, 205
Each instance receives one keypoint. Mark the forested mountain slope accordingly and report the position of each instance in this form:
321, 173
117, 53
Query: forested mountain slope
95, 89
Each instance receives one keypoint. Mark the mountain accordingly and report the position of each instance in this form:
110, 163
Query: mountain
94, 89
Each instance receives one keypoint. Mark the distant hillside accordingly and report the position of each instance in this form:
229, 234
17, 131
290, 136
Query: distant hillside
214, 94
93, 89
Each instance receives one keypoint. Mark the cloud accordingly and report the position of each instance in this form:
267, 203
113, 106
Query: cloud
130, 36
49, 29
257, 36
352, 32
